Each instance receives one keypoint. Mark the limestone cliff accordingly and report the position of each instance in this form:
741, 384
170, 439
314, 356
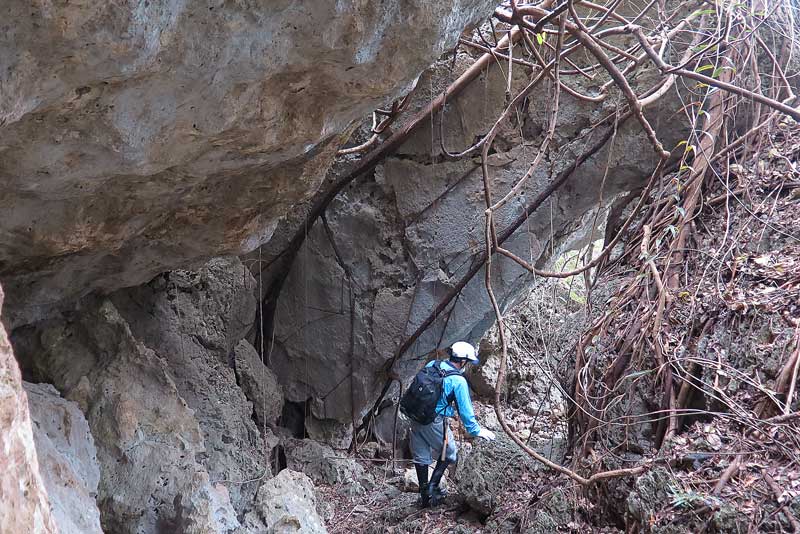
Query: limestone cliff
397, 240
139, 141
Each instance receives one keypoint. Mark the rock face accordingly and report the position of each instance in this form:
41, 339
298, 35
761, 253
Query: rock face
148, 439
286, 504
330, 431
194, 320
67, 460
24, 503
258, 382
205, 510
396, 241
141, 138
153, 370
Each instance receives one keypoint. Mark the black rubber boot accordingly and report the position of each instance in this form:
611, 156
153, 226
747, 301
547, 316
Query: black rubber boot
436, 495
422, 479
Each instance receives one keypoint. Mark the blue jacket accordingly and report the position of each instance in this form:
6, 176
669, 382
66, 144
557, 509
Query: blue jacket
457, 385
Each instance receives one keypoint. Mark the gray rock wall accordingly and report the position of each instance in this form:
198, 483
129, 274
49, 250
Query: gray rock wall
193, 320
408, 232
158, 134
149, 443
153, 369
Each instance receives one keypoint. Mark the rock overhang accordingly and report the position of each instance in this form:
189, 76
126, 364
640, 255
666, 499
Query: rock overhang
134, 141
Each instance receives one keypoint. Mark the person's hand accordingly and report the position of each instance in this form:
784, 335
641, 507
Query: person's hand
488, 435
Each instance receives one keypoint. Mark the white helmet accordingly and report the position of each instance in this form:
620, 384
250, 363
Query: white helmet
461, 351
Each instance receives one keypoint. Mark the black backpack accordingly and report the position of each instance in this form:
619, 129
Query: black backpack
419, 401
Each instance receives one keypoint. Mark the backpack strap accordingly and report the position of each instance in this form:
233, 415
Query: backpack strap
444, 372
450, 399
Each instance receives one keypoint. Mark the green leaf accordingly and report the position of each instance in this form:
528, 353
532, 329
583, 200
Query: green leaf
673, 230
540, 37
703, 68
681, 211
704, 12
719, 71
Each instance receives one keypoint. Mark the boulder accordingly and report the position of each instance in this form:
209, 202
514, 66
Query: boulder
67, 459
383, 427
24, 505
286, 504
258, 383
489, 469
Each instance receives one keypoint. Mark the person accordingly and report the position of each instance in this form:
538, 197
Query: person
436, 439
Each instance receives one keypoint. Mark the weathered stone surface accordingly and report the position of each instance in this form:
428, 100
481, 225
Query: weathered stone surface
24, 505
205, 509
329, 431
153, 369
410, 230
67, 459
148, 440
286, 504
552, 515
144, 137
483, 379
193, 320
487, 470
383, 428
258, 382
654, 490
648, 494
324, 465
552, 512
